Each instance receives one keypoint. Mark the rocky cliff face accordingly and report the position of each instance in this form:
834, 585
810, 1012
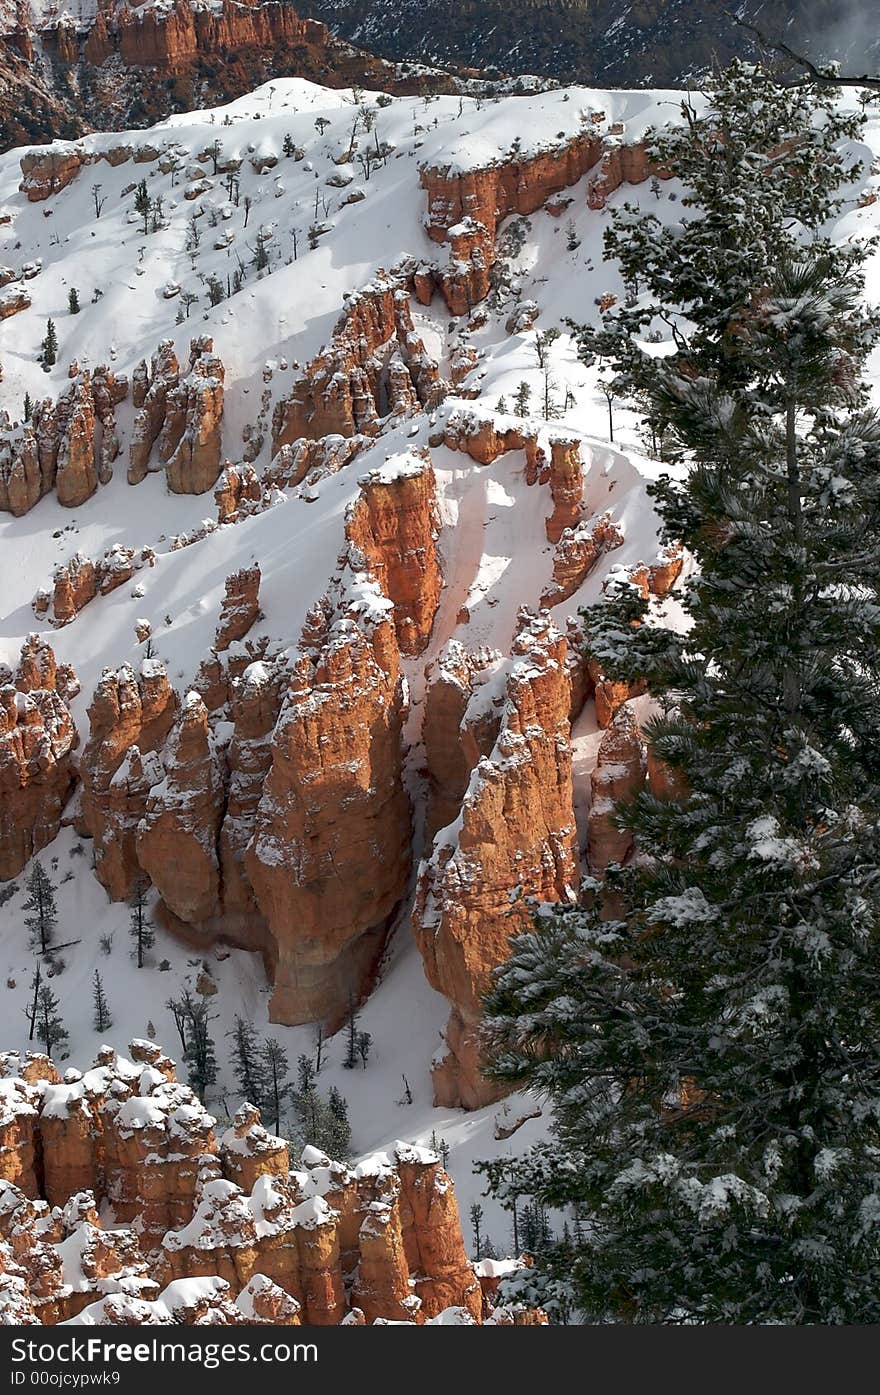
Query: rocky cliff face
130, 716
466, 207
374, 366
226, 1210
516, 830
659, 43
101, 73
69, 445
37, 740
393, 525
328, 887
181, 416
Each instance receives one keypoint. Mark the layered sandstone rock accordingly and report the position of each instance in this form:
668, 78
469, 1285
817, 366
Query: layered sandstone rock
176, 840
485, 438
79, 580
516, 833
149, 391
566, 479
69, 445
465, 207
327, 885
241, 606
577, 552
204, 1221
454, 737
374, 365
37, 739
393, 525
618, 775
249, 1151
45, 172
189, 442
130, 716
237, 487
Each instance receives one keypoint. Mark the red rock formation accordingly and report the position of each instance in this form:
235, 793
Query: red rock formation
465, 207
480, 438
375, 364
444, 1277
577, 552
189, 442
382, 1287
150, 392
21, 480
516, 830
13, 301
566, 478
45, 172
249, 1151
76, 477
452, 745
323, 890
37, 738
237, 486
177, 837
127, 1136
129, 718
393, 525
618, 775
241, 606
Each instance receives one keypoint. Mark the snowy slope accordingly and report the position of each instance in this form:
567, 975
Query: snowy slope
493, 544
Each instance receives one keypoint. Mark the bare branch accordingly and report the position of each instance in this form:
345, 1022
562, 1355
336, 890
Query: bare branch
828, 79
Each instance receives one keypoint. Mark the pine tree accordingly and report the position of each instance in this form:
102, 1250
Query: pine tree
49, 346
73, 300
711, 1047
338, 1129
274, 1059
200, 1053
288, 146
42, 921
351, 1053
140, 925
102, 1019
364, 1042
248, 1063
521, 399
50, 1029
142, 202
30, 1012
28, 407
476, 1215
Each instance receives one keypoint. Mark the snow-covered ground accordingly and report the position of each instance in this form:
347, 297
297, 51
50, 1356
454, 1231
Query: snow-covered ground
494, 549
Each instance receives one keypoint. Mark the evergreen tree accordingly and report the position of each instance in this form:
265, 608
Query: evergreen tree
364, 1042
102, 1019
521, 399
476, 1215
199, 1054
30, 1012
140, 925
274, 1059
351, 1052
248, 1063
42, 920
49, 346
338, 1127
51, 1031
28, 407
73, 300
142, 202
288, 146
711, 1047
